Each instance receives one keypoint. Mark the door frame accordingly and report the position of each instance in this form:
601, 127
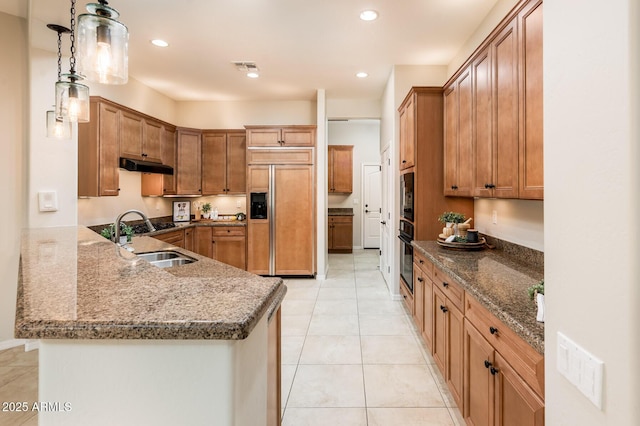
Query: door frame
362, 192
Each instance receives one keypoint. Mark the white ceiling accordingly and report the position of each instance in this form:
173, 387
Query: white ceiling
299, 45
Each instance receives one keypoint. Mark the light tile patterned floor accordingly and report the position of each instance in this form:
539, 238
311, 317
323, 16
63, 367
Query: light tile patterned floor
351, 355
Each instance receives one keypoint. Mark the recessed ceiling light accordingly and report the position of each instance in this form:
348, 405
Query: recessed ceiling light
253, 74
159, 43
368, 15
362, 74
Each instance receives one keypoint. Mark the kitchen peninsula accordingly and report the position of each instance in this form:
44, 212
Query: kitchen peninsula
126, 342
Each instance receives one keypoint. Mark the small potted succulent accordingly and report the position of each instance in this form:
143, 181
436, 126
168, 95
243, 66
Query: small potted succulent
536, 293
206, 210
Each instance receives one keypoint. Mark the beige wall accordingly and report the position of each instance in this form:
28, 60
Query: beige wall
14, 86
592, 203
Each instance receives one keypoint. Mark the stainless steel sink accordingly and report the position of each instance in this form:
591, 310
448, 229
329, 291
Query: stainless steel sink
166, 258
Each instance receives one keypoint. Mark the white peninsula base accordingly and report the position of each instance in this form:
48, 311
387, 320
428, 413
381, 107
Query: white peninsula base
155, 382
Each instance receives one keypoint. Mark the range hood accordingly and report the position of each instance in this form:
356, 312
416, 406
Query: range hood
144, 166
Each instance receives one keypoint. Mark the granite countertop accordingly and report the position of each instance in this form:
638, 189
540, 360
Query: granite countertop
335, 211
75, 284
498, 281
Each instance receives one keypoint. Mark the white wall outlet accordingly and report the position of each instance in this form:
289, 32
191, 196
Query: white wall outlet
581, 368
48, 201
494, 217
238, 203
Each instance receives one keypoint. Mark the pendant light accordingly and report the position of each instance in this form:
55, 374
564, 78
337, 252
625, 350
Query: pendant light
103, 45
58, 127
72, 99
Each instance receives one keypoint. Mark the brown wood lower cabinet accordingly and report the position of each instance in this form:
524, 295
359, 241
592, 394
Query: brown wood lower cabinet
226, 244
494, 376
340, 234
494, 393
174, 237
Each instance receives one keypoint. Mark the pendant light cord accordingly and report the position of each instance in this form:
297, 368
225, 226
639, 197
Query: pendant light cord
72, 60
59, 55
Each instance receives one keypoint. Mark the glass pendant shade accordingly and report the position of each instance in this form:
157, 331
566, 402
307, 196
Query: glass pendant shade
57, 128
72, 101
103, 45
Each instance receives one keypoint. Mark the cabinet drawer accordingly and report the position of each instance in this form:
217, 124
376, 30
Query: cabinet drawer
340, 219
449, 288
528, 363
228, 231
280, 156
425, 265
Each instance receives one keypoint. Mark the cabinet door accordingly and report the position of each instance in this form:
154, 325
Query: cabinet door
407, 134
427, 331
152, 141
298, 136
465, 135
174, 237
482, 125
203, 241
189, 239
236, 162
169, 158
214, 163
258, 246
439, 329
189, 175
478, 382
515, 402
418, 297
294, 220
455, 352
451, 140
109, 176
230, 250
131, 135
268, 136
340, 169
505, 129
341, 228
531, 180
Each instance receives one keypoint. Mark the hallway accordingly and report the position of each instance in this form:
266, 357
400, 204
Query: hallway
351, 356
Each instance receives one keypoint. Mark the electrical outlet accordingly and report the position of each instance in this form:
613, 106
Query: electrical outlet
494, 217
582, 369
238, 203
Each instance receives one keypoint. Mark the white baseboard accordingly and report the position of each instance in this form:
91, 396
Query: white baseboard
396, 297
357, 247
31, 345
321, 277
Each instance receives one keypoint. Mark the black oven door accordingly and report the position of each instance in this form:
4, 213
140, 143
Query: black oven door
406, 262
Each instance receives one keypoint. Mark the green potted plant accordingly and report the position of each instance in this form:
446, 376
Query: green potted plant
451, 217
536, 293
126, 232
206, 210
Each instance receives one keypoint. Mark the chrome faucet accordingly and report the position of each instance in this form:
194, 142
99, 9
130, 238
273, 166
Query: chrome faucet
116, 236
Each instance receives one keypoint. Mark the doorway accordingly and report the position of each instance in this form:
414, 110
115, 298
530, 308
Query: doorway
386, 256
372, 205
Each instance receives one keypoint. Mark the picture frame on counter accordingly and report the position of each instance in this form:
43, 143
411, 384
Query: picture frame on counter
181, 211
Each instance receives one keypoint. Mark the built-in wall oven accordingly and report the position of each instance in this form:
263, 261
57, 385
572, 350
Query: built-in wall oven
406, 196
406, 254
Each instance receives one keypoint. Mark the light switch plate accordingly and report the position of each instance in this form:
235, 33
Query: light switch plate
581, 368
48, 201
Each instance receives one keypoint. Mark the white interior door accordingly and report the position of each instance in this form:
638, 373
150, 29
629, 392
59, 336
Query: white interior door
385, 220
372, 204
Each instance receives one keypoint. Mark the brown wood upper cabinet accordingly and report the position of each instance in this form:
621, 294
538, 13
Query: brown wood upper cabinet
188, 151
223, 162
269, 136
504, 122
140, 137
98, 151
458, 139
340, 158
407, 133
